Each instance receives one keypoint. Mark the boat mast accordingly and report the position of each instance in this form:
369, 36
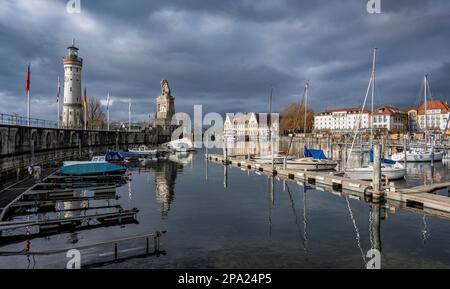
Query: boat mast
373, 94
306, 106
426, 110
270, 126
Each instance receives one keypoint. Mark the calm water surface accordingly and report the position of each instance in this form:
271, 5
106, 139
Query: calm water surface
217, 217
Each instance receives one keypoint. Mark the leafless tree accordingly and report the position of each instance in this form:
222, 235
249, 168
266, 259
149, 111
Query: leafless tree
96, 118
292, 118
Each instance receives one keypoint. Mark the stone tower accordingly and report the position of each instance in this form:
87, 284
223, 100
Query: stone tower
73, 116
165, 106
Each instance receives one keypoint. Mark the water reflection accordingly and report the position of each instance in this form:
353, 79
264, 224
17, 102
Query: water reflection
165, 174
243, 219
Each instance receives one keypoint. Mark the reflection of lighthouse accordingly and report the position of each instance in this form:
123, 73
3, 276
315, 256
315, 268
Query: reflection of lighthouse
165, 175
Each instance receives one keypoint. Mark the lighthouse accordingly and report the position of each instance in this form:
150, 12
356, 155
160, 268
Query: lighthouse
73, 102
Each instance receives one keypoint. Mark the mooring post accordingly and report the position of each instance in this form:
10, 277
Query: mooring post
115, 251
331, 156
432, 154
376, 175
284, 163
344, 166
405, 149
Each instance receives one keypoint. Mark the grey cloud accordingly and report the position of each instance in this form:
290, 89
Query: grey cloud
226, 54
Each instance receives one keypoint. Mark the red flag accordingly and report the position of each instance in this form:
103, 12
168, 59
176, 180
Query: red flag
58, 91
27, 86
84, 99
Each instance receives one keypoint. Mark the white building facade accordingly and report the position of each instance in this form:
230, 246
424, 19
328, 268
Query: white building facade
250, 126
343, 119
437, 115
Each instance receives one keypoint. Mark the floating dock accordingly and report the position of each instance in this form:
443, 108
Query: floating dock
420, 197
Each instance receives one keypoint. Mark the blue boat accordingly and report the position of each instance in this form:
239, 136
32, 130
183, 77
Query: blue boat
92, 169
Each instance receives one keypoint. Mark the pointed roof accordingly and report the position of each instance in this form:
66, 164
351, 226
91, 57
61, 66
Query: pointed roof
434, 104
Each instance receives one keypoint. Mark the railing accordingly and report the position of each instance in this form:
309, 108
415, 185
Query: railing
8, 119
17, 120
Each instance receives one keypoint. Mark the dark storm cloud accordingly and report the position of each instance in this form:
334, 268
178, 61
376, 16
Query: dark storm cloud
225, 54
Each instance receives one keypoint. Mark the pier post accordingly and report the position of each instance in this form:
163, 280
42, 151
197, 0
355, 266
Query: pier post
405, 149
432, 154
376, 175
345, 152
331, 155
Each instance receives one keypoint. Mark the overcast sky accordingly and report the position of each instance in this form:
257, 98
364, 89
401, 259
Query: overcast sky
224, 54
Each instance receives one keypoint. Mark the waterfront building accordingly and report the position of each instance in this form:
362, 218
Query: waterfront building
342, 119
437, 115
412, 119
250, 126
390, 118
73, 115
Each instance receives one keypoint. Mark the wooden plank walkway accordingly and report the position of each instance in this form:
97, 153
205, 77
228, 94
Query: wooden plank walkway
419, 196
9, 194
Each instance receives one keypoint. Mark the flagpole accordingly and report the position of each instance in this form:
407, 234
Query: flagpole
57, 100
28, 95
85, 109
129, 114
107, 112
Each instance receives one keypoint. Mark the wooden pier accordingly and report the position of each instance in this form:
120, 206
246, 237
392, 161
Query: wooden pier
421, 197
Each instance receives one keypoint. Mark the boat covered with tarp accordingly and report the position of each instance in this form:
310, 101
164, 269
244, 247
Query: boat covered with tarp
92, 169
313, 160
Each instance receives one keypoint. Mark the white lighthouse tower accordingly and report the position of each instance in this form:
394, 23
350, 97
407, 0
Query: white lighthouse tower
73, 116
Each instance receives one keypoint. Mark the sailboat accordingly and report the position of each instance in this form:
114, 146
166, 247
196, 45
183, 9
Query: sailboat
418, 154
389, 168
313, 160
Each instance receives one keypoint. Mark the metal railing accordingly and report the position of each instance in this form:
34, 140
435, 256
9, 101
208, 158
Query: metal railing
17, 120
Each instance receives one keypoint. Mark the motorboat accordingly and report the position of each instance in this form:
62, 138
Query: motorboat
143, 149
92, 169
180, 145
131, 157
95, 159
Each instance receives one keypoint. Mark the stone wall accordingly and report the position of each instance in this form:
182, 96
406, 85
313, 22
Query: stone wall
20, 146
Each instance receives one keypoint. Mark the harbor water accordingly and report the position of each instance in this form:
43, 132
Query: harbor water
221, 217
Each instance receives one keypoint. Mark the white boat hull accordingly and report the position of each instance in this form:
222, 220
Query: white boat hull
311, 164
417, 156
365, 173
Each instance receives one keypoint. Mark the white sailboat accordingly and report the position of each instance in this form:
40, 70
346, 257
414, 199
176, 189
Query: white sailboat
310, 162
421, 155
391, 171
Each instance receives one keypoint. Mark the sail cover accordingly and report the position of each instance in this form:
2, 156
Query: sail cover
383, 160
316, 154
